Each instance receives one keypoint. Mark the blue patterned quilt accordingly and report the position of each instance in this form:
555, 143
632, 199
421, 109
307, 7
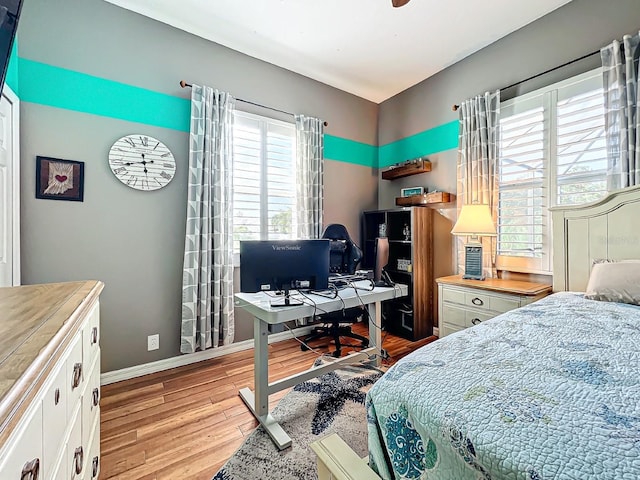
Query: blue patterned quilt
548, 391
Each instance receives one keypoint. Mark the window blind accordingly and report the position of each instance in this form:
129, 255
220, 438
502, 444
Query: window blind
264, 192
581, 157
521, 183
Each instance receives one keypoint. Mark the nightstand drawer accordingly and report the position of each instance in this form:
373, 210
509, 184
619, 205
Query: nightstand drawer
463, 318
474, 317
477, 299
501, 305
453, 316
453, 296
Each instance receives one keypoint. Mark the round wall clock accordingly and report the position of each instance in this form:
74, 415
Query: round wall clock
142, 162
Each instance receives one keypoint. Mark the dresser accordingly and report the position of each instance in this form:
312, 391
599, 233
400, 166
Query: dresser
464, 303
50, 381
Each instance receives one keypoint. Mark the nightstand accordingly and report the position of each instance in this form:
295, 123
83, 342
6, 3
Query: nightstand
464, 303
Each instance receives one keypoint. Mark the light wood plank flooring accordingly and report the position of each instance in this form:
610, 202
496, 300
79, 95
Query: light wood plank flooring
185, 423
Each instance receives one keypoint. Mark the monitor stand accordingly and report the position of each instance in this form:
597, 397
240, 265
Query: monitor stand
286, 301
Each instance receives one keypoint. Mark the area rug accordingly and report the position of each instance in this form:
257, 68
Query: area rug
331, 403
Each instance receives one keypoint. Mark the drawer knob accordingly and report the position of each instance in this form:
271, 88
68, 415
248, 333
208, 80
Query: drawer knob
94, 335
476, 321
477, 301
77, 375
31, 470
56, 396
96, 396
78, 457
95, 465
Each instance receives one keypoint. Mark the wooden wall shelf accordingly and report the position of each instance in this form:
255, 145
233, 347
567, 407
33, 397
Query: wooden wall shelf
432, 198
420, 166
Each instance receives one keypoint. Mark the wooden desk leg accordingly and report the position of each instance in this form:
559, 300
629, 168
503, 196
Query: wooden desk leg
259, 405
375, 330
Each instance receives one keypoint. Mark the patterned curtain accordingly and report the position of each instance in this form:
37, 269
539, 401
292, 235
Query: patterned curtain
622, 111
478, 167
309, 173
207, 282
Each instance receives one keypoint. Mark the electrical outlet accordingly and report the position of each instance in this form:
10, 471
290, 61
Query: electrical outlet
153, 342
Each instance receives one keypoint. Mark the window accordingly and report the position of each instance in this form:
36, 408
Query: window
264, 179
552, 152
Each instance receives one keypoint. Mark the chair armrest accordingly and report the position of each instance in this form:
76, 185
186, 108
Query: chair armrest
337, 461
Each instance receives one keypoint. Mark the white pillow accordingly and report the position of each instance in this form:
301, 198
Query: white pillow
615, 282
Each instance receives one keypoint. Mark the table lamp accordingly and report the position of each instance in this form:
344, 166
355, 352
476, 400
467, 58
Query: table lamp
474, 221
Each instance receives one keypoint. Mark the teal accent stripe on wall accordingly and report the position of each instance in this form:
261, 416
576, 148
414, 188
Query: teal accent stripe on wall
70, 90
350, 151
58, 87
437, 139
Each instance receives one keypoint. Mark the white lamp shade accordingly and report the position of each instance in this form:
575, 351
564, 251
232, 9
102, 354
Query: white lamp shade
475, 220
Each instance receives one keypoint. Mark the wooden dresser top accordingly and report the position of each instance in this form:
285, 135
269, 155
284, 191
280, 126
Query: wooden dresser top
30, 318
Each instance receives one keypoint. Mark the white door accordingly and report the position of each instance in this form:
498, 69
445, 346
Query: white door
9, 190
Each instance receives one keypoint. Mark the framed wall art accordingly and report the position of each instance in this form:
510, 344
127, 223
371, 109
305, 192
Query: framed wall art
58, 179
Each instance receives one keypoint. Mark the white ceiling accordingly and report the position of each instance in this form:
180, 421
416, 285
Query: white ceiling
364, 47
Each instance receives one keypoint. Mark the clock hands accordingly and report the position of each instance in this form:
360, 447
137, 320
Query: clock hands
144, 162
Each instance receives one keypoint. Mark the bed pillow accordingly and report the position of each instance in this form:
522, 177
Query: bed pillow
615, 282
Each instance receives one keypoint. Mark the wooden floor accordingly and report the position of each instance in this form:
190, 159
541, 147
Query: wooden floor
186, 422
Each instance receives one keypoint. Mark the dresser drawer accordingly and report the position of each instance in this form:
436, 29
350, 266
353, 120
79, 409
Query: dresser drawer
93, 460
54, 417
75, 374
60, 472
76, 451
91, 402
25, 453
91, 336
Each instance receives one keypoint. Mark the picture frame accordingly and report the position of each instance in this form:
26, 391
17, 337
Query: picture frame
58, 179
407, 192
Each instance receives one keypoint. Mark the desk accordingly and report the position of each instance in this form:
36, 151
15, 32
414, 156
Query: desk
258, 304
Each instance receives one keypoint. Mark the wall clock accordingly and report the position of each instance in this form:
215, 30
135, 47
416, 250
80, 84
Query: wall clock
142, 162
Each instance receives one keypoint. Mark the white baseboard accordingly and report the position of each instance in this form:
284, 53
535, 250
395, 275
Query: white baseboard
181, 360
436, 332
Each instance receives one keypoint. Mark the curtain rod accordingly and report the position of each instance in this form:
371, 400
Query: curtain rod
184, 84
456, 107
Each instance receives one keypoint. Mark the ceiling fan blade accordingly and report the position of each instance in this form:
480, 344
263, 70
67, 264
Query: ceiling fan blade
399, 3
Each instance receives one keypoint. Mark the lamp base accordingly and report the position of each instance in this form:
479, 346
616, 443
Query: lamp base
473, 262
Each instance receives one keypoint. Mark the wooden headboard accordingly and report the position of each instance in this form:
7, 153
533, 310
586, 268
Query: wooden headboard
609, 228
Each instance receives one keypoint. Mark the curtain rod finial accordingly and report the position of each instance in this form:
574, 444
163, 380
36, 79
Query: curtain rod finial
184, 84
455, 108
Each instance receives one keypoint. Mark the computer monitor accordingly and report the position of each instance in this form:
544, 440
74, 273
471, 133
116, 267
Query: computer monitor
283, 265
380, 277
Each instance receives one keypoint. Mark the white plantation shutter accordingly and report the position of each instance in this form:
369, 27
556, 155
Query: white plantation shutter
263, 179
552, 152
581, 157
521, 183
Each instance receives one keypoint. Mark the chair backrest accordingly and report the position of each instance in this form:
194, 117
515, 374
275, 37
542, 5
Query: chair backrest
344, 253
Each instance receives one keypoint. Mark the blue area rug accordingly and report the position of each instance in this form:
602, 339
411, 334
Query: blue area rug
331, 403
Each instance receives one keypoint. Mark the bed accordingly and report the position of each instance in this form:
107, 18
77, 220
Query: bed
547, 391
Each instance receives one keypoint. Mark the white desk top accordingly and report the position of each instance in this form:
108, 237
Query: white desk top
259, 304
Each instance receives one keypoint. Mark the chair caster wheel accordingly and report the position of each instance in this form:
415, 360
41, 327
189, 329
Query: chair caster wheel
304, 348
336, 354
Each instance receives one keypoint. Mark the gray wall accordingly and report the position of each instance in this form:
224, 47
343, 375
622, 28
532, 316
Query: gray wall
578, 28
131, 240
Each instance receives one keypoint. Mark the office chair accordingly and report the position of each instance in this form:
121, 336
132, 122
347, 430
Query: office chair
344, 258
